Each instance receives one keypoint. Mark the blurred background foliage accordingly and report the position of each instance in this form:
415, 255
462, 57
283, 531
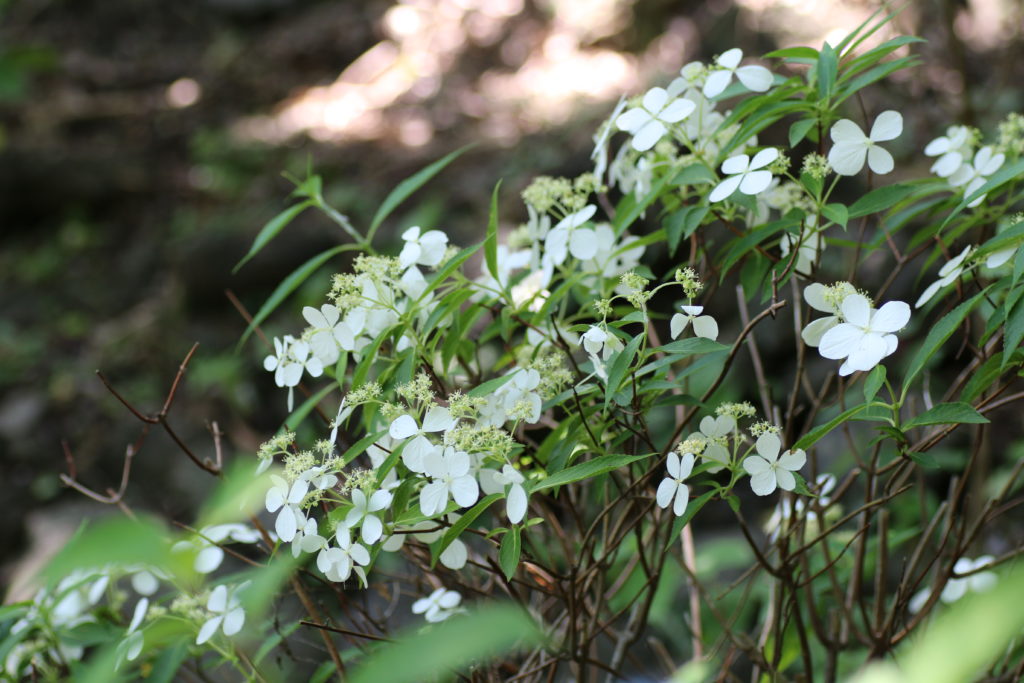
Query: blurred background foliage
143, 146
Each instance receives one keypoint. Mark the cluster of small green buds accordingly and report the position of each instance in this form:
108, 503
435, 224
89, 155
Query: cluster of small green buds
494, 442
360, 479
378, 267
449, 253
346, 291
554, 376
666, 149
764, 427
780, 165
366, 393
520, 238
522, 410
324, 447
835, 293
694, 445
688, 278
277, 444
419, 389
545, 192
816, 166
736, 411
603, 307
462, 406
637, 284
389, 411
297, 463
192, 607
1011, 134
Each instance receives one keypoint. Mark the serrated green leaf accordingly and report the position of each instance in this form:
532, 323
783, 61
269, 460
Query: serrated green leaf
508, 555
947, 413
270, 230
586, 470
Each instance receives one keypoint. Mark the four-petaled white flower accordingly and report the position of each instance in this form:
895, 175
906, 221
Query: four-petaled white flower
493, 481
852, 146
289, 359
975, 174
330, 333
756, 78
437, 419
744, 174
286, 498
570, 237
362, 511
866, 336
715, 432
646, 123
947, 274
426, 249
449, 469
337, 563
672, 487
951, 149
703, 325
816, 296
437, 606
228, 614
768, 470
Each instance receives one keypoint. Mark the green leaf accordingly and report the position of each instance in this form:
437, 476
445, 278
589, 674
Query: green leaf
620, 365
1014, 332
938, 335
873, 382
586, 470
463, 522
693, 174
828, 67
491, 243
359, 447
450, 267
811, 437
798, 131
489, 387
629, 208
293, 421
407, 187
423, 654
947, 413
289, 285
837, 213
682, 224
880, 199
692, 346
790, 53
117, 540
270, 230
508, 555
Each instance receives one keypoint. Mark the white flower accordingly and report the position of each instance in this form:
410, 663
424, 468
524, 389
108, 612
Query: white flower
976, 173
570, 237
977, 581
210, 555
768, 470
647, 123
947, 274
672, 486
951, 149
362, 511
338, 563
531, 292
756, 78
426, 249
319, 478
866, 336
330, 332
852, 146
449, 470
998, 258
288, 361
131, 647
438, 419
228, 614
595, 339
827, 300
703, 325
492, 481
437, 606
744, 174
286, 498
519, 388
715, 431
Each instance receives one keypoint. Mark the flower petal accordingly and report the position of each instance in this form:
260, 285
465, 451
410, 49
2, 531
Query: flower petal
856, 310
846, 131
763, 483
682, 498
785, 479
666, 489
648, 135
891, 317
880, 161
840, 341
756, 78
755, 464
677, 110
755, 182
403, 427
717, 82
633, 120
515, 505
654, 100
725, 188
847, 158
705, 326
736, 164
887, 126
768, 446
